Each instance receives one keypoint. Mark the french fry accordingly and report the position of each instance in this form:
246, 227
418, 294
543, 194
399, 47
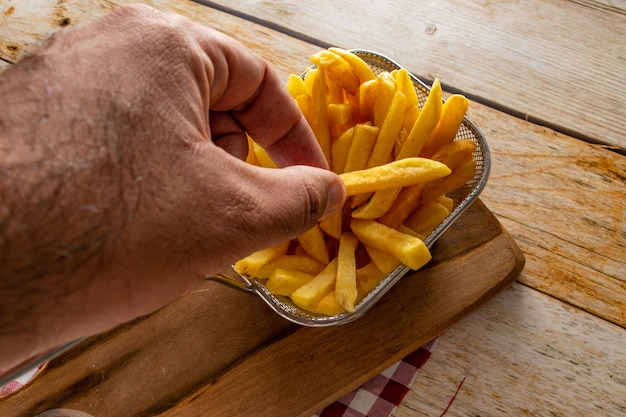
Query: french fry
411, 232
313, 242
385, 92
299, 263
261, 155
341, 113
455, 153
310, 294
319, 115
296, 86
384, 261
251, 264
427, 217
388, 131
360, 67
367, 278
379, 204
405, 84
464, 172
452, 114
332, 225
285, 282
406, 203
329, 306
251, 157
410, 250
400, 173
410, 117
340, 148
309, 79
337, 69
345, 285
366, 96
334, 92
361, 147
445, 201
304, 103
425, 124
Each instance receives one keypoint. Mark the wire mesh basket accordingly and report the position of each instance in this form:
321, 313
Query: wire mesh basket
462, 198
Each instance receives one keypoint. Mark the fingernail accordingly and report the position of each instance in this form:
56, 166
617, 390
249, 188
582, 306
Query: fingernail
335, 199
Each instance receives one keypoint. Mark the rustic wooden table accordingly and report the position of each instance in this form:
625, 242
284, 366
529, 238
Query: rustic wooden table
547, 85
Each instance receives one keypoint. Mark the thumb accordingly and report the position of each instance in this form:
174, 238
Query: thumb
287, 202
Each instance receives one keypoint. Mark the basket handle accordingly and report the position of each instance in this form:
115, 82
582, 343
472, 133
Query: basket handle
241, 283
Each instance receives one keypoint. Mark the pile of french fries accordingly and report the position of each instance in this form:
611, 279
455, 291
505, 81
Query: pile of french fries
398, 161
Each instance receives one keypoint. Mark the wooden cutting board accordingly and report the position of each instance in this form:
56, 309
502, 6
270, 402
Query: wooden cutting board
222, 352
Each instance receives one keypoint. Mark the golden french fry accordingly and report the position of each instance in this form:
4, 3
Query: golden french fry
339, 150
337, 69
329, 306
366, 96
331, 225
379, 204
360, 67
384, 95
367, 278
318, 113
304, 103
399, 142
251, 157
427, 218
362, 144
384, 261
334, 92
462, 174
296, 86
410, 250
400, 173
406, 203
285, 282
309, 79
405, 84
310, 294
452, 114
425, 124
341, 113
345, 285
299, 263
313, 242
264, 159
410, 117
455, 153
388, 131
251, 264
408, 231
445, 201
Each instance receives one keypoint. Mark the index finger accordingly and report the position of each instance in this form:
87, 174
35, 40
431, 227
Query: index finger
245, 85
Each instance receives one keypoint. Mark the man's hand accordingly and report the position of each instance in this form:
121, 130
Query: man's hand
121, 173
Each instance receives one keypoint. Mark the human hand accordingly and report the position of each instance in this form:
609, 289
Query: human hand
123, 181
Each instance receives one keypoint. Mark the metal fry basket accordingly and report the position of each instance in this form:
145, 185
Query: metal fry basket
462, 198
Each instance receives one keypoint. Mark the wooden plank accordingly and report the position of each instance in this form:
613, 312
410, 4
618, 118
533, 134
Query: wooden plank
555, 62
565, 204
534, 357
561, 199
220, 352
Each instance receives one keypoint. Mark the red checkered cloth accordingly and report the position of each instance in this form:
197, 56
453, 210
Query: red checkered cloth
19, 382
380, 396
